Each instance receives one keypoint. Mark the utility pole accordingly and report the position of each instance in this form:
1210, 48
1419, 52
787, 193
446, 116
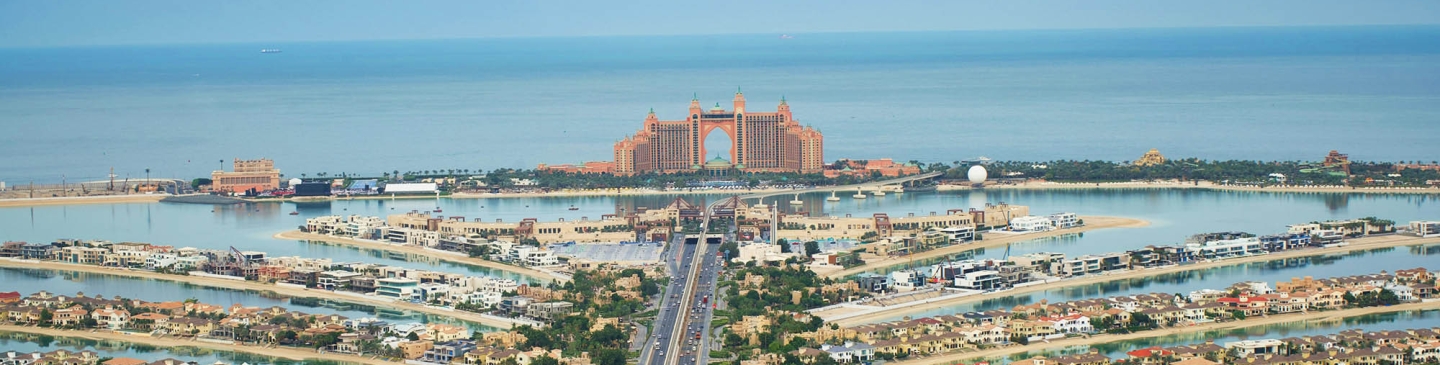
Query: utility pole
62, 185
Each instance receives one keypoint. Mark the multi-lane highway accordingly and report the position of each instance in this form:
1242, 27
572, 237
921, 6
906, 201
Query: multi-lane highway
678, 336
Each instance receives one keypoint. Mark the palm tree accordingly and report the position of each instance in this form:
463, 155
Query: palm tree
147, 176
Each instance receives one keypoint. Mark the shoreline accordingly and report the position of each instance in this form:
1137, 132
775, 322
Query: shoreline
492, 321
1091, 223
1108, 338
81, 200
1029, 185
344, 241
1361, 244
290, 353
1202, 185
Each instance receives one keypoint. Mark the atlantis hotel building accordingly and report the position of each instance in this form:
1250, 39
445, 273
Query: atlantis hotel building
760, 142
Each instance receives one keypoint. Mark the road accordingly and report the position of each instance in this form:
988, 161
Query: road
678, 334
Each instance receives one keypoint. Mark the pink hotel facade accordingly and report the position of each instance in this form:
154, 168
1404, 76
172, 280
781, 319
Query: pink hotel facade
760, 141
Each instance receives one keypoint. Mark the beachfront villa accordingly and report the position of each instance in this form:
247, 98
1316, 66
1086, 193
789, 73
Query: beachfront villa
1239, 246
397, 288
1031, 223
1425, 228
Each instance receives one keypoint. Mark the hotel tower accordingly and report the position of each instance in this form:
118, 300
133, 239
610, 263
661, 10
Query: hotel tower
759, 141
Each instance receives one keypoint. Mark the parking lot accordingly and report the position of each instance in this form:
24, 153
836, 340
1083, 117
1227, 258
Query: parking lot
610, 252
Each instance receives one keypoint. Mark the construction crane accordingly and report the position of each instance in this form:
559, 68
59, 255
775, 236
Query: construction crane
240, 257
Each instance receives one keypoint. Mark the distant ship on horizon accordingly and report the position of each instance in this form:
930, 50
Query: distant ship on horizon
786, 36
270, 50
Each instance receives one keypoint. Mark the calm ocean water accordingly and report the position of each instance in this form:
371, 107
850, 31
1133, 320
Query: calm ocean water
366, 107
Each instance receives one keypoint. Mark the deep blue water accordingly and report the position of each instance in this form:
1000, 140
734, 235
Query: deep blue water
367, 107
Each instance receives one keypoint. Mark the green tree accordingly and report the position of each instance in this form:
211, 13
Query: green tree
812, 248
544, 360
608, 357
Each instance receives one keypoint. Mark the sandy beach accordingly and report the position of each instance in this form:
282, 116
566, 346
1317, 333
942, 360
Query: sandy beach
278, 351
1354, 245
77, 200
251, 285
615, 192
991, 240
1100, 339
1048, 185
297, 235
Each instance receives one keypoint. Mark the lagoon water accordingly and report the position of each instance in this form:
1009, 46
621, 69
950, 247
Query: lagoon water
367, 107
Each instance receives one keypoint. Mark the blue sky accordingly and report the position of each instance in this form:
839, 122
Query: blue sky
36, 23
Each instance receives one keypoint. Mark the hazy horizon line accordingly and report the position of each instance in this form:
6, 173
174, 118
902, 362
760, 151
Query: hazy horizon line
509, 37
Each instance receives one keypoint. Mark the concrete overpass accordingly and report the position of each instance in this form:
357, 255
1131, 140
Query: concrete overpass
851, 187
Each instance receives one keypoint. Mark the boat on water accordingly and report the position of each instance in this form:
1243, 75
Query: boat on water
294, 213
572, 207
270, 50
437, 210
832, 197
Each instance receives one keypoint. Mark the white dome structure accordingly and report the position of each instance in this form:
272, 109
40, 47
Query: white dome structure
977, 174
295, 181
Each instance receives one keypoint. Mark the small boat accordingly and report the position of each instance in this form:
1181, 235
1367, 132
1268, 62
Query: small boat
832, 198
437, 210
572, 207
270, 50
294, 213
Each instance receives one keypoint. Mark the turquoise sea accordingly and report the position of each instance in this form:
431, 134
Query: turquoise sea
365, 107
